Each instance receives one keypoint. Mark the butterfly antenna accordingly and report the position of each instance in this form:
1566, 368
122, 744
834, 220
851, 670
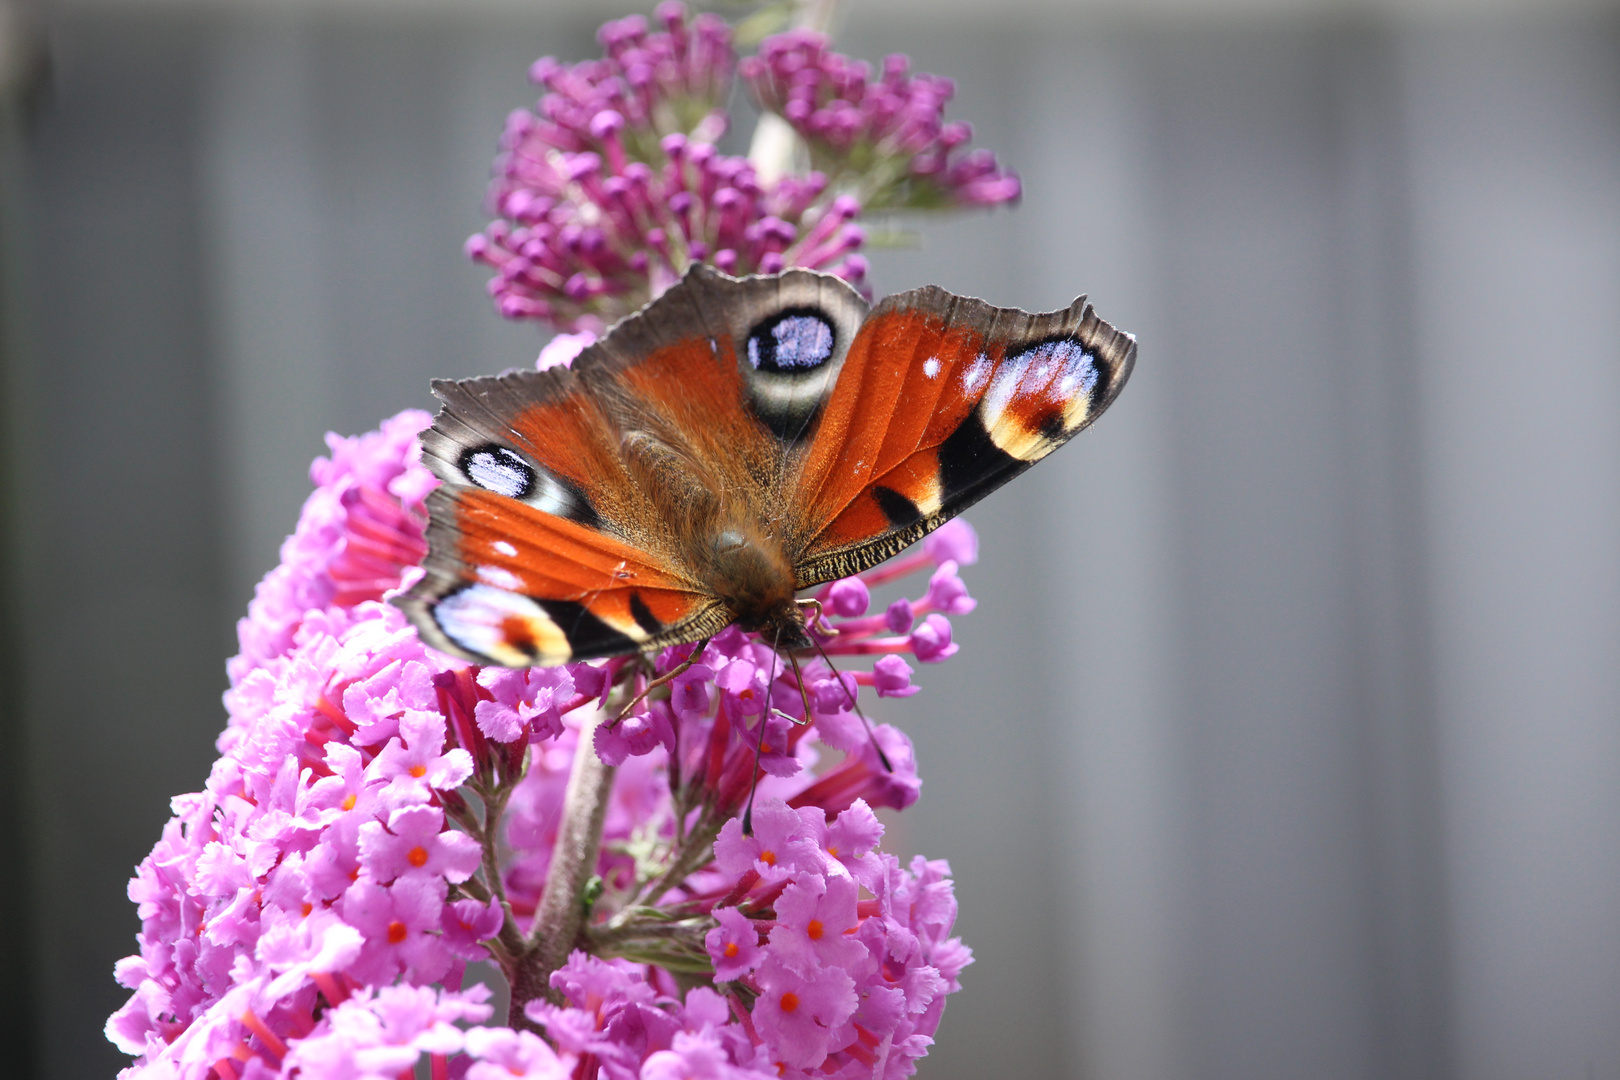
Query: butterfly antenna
759, 748
871, 735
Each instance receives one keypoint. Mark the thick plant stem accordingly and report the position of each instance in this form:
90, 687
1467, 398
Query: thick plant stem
561, 915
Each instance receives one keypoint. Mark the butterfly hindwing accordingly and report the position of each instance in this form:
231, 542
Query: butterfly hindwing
940, 401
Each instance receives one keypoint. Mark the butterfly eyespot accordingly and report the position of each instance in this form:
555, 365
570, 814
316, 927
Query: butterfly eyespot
504, 472
1037, 395
497, 469
792, 341
505, 626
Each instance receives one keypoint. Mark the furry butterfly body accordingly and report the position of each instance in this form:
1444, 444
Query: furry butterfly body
734, 442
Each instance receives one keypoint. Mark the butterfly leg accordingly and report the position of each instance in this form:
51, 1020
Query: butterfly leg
669, 676
804, 694
819, 618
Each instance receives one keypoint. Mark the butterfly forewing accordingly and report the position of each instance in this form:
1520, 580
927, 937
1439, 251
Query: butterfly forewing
940, 401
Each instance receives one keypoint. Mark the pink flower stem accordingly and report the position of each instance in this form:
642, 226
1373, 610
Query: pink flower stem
871, 647
896, 568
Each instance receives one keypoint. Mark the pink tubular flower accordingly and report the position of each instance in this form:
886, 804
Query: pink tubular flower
415, 842
891, 676
814, 918
849, 597
862, 775
798, 1014
503, 1054
781, 844
401, 927
733, 945
523, 701
848, 118
932, 640
613, 186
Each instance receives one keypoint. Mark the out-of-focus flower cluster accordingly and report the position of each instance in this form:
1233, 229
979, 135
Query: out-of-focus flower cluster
382, 815
613, 184
885, 137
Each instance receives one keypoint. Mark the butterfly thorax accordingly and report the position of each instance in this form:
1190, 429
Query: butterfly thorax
714, 512
753, 577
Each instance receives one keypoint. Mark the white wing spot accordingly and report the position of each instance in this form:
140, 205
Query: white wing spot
504, 547
931, 366
500, 577
975, 375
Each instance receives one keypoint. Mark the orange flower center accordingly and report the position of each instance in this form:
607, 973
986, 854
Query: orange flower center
417, 856
814, 929
730, 951
396, 932
419, 771
768, 857
790, 1001
349, 800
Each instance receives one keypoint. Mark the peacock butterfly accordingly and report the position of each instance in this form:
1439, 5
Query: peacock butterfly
733, 442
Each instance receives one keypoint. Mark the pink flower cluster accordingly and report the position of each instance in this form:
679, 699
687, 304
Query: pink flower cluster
613, 185
889, 131
810, 979
382, 815
362, 525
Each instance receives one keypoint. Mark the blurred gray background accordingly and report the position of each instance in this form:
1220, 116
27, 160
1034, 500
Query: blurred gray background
1285, 742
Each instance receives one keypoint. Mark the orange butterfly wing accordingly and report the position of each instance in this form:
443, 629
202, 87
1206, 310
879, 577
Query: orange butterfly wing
582, 509
940, 401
